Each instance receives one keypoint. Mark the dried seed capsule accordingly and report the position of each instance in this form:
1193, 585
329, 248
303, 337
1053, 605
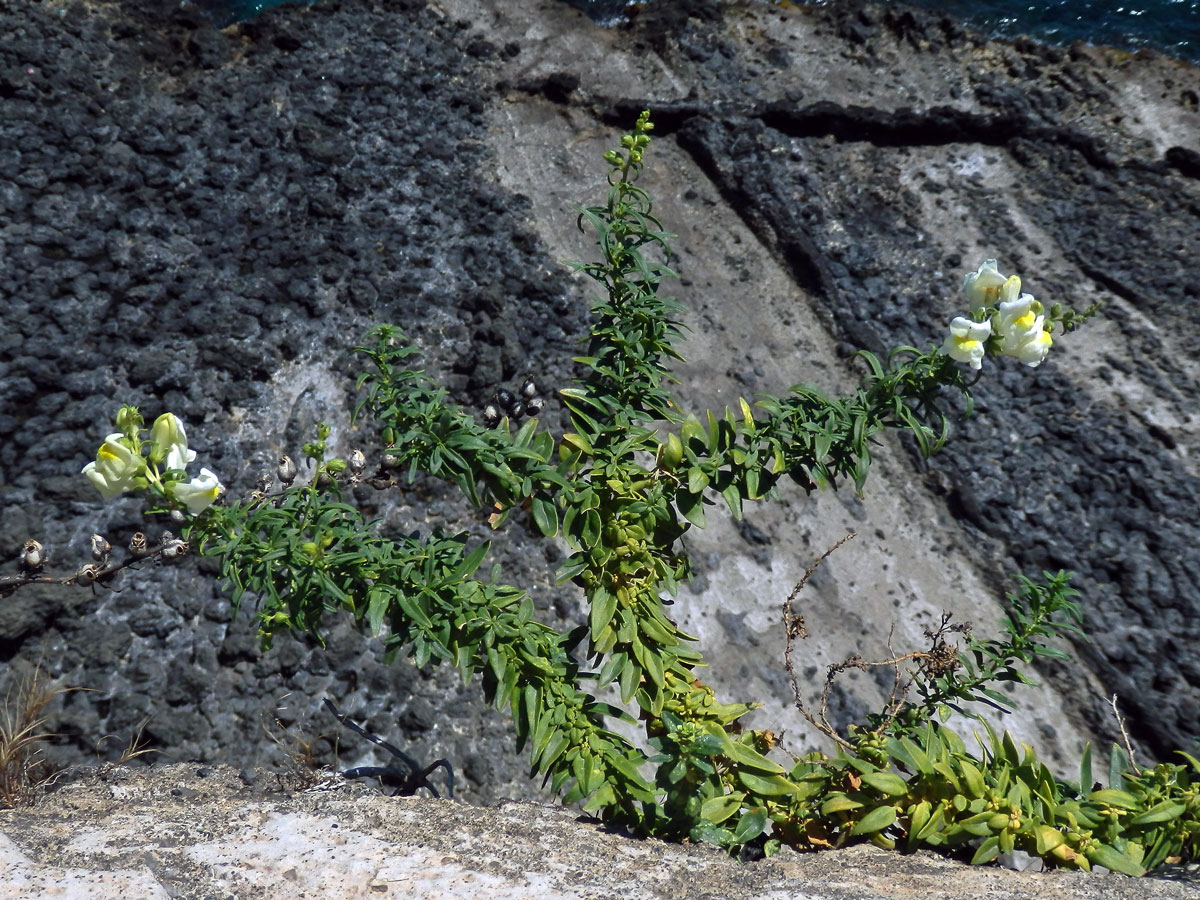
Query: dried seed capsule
174, 549
167, 537
491, 415
264, 483
87, 574
357, 463
529, 389
33, 556
534, 406
100, 548
138, 545
505, 399
518, 410
286, 471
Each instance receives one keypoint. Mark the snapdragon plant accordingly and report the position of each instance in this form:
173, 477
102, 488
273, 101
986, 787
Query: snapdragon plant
635, 472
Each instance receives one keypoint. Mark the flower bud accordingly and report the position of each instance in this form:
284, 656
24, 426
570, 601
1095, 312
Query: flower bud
286, 471
100, 548
357, 463
130, 421
138, 545
170, 442
33, 556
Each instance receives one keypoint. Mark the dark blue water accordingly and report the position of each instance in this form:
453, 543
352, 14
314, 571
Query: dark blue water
1170, 26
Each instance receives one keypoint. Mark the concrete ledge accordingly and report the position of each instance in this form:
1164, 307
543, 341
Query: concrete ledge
194, 832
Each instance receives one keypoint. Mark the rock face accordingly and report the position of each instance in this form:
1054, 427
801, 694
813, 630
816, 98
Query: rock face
207, 221
192, 833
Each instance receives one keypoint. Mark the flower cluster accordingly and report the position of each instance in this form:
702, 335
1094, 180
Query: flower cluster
1003, 321
126, 462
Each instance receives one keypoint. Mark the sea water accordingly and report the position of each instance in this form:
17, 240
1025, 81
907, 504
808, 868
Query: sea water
1170, 26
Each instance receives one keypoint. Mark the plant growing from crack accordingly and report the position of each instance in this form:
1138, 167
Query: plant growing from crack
634, 474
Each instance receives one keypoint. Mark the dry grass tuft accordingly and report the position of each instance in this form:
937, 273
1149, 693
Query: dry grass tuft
23, 771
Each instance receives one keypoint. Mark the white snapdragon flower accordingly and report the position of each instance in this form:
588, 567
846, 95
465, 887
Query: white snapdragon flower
1032, 352
982, 287
965, 341
198, 494
115, 468
1020, 325
170, 442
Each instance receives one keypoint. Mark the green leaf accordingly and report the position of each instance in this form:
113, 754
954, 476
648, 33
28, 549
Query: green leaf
697, 480
887, 783
751, 825
589, 535
604, 604
712, 834
717, 809
545, 515
733, 499
987, 851
876, 820
1166, 811
379, 599
750, 758
1085, 769
1119, 799
691, 506
838, 802
768, 785
1104, 855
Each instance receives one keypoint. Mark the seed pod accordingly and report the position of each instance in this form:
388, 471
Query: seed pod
529, 389
87, 574
174, 549
517, 410
166, 538
286, 471
534, 406
264, 482
357, 463
33, 556
100, 548
491, 415
506, 399
138, 545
